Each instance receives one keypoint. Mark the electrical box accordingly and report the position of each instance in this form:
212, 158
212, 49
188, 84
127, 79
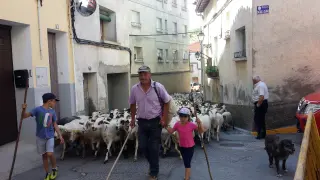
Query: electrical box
21, 78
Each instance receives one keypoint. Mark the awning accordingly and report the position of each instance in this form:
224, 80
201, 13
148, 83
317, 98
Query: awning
201, 5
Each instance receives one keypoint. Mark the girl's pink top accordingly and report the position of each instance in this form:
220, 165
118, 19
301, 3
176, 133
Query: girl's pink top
185, 133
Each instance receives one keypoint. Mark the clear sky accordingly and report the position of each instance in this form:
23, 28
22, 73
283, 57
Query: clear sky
194, 20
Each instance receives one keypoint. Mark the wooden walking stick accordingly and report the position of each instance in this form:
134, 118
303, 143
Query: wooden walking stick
19, 130
114, 164
202, 143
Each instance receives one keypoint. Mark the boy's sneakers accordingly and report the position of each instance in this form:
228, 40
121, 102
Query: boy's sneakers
54, 174
47, 177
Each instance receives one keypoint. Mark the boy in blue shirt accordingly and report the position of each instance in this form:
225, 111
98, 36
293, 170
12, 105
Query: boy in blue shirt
46, 120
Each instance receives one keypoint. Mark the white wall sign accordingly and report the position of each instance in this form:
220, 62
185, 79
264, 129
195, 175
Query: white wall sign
42, 76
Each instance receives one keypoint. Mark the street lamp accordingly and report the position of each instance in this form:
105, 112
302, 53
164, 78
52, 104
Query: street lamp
197, 55
201, 38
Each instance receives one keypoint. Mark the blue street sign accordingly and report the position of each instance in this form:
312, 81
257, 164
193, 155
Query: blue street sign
264, 9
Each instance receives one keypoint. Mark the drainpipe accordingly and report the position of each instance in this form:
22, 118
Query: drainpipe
39, 25
94, 43
72, 47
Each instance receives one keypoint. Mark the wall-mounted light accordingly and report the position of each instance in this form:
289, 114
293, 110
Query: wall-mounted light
197, 54
201, 36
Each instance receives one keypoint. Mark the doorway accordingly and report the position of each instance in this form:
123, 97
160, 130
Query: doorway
53, 68
118, 90
90, 92
8, 111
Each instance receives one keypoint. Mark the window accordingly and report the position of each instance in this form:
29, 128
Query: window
175, 28
175, 56
185, 31
184, 6
185, 55
108, 30
166, 55
191, 70
138, 54
160, 55
166, 26
135, 19
174, 3
240, 43
159, 25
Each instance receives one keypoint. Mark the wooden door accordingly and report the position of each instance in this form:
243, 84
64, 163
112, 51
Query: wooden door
53, 69
8, 127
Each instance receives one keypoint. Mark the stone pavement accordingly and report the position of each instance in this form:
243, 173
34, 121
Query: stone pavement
27, 158
236, 156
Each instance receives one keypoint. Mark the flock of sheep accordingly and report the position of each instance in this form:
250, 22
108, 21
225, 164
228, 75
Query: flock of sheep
112, 128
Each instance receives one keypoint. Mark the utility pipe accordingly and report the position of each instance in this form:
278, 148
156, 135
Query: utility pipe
39, 28
72, 47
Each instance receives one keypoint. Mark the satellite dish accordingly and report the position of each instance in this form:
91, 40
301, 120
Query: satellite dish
86, 7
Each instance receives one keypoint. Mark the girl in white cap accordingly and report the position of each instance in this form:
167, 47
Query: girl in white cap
185, 129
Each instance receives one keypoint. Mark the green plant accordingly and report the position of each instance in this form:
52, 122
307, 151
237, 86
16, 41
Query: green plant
212, 69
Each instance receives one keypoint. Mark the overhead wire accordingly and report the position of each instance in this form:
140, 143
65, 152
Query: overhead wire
95, 43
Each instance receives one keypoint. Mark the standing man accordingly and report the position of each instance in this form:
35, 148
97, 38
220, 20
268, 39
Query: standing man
152, 113
260, 97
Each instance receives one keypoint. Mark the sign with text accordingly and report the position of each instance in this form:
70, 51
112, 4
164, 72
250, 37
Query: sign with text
264, 9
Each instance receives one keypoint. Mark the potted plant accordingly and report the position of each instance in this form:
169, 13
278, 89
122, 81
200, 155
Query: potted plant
212, 71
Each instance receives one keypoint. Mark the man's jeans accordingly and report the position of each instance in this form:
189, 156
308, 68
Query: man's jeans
149, 138
260, 118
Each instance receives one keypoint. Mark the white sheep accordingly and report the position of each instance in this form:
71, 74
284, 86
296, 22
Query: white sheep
217, 122
166, 137
227, 119
110, 135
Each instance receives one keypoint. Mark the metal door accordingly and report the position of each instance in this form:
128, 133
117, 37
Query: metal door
8, 127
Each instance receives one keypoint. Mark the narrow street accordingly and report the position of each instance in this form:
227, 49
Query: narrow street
237, 156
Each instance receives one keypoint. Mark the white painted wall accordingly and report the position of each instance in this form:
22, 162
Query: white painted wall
287, 48
95, 59
235, 76
149, 12
196, 65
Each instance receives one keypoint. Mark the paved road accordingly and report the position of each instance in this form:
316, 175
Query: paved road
237, 156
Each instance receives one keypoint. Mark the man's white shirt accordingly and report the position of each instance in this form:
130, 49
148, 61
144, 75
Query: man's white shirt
260, 89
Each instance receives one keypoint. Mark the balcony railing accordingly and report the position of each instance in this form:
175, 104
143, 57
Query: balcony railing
136, 24
138, 59
159, 30
240, 54
174, 4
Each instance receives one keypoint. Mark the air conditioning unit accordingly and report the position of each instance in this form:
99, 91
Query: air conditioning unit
227, 35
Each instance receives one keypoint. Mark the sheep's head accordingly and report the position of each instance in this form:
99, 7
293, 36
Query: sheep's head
87, 125
96, 114
123, 124
98, 124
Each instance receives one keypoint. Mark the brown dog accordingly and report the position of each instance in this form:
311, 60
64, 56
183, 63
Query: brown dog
278, 150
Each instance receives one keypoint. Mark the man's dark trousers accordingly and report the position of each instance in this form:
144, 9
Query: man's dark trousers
149, 138
260, 118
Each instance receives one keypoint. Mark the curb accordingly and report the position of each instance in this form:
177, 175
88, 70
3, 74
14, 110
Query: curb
284, 130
